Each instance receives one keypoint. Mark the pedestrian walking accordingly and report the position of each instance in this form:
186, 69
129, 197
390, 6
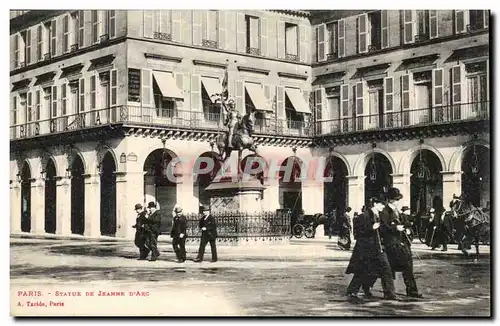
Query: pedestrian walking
178, 234
208, 235
331, 217
152, 227
369, 260
394, 232
344, 241
140, 232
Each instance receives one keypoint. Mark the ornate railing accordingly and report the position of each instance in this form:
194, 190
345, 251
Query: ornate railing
405, 119
332, 56
291, 57
162, 36
152, 117
209, 44
254, 51
239, 226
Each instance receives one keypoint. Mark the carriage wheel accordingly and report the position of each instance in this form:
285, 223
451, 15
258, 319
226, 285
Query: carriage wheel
298, 230
309, 232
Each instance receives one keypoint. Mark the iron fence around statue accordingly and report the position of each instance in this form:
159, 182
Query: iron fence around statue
240, 226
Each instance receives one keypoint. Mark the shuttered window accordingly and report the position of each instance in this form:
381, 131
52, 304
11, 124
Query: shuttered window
240, 96
437, 86
112, 23
280, 101
196, 92
81, 106
29, 108
39, 43
433, 24
114, 87
54, 101
341, 34
263, 37
388, 93
460, 21
81, 28
385, 29
27, 41
66, 34
408, 27
37, 105
405, 92
93, 95
320, 34
363, 33
64, 100
95, 26
146, 86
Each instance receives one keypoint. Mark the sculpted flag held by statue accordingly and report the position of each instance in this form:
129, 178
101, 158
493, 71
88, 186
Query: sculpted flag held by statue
258, 162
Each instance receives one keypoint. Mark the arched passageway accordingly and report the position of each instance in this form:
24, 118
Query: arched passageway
476, 175
336, 190
50, 197
426, 182
108, 195
77, 196
290, 186
378, 176
26, 198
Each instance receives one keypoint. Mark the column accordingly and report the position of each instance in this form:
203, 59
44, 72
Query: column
149, 188
403, 183
312, 196
185, 195
92, 205
452, 184
271, 200
356, 192
38, 206
129, 191
63, 217
15, 207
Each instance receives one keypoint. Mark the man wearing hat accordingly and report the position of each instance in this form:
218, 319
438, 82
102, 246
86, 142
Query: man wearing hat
153, 223
369, 260
394, 234
140, 233
208, 234
178, 234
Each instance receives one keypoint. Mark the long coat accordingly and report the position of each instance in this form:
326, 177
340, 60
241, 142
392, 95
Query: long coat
367, 247
211, 232
179, 227
153, 223
139, 229
395, 242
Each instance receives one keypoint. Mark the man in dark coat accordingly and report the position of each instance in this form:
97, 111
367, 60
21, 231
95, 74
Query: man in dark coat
208, 235
369, 261
152, 227
178, 234
344, 241
394, 235
140, 233
442, 227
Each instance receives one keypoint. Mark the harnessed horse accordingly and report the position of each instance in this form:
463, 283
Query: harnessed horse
477, 225
242, 138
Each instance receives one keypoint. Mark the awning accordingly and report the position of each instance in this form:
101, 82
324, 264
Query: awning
46, 79
470, 54
167, 85
212, 86
297, 99
21, 85
419, 64
72, 72
258, 97
368, 73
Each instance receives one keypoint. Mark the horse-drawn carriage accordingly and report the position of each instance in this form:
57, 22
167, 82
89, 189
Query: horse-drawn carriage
307, 224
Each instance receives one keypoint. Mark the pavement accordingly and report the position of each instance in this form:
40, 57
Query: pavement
299, 278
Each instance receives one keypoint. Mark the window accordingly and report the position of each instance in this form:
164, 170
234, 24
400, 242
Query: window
81, 28
408, 26
375, 29
53, 38
112, 23
95, 26
39, 43
37, 105
433, 24
66, 34
363, 36
17, 53
438, 87
460, 21
27, 47
291, 39
332, 30
252, 35
389, 93
114, 88
341, 34
320, 39
48, 100
14, 111
164, 106
477, 88
478, 19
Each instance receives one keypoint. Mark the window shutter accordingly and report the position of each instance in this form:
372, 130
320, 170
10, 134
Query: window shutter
88, 28
460, 21
433, 24
345, 111
240, 96
389, 93
405, 92
196, 93
147, 88
385, 29
148, 24
53, 38
230, 32
281, 39
408, 27
320, 32
34, 44
486, 19
64, 99
176, 25
360, 94
456, 82
54, 102
280, 101
241, 33
267, 94
341, 34
318, 109
437, 87
114, 87
37, 105
179, 81
197, 23
81, 106
304, 43
363, 33
263, 37
112, 23
222, 29
29, 108
488, 81
93, 92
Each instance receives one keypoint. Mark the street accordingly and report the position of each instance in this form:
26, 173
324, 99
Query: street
281, 280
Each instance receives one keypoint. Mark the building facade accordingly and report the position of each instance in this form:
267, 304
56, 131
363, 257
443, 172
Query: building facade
103, 100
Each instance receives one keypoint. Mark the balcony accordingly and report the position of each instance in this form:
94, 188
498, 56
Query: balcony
254, 51
162, 36
406, 119
332, 56
151, 117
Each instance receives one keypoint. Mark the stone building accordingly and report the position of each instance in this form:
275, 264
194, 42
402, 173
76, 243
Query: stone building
103, 100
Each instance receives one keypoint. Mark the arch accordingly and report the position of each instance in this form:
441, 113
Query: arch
290, 189
343, 159
335, 190
476, 175
108, 195
203, 180
456, 159
410, 155
146, 152
77, 195
50, 195
26, 176
72, 154
376, 181
101, 151
360, 164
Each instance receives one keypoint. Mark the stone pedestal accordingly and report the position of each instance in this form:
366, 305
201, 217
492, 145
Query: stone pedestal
241, 196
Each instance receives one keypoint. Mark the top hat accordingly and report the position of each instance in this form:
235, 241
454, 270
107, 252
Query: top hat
137, 206
151, 204
205, 208
393, 194
405, 208
177, 209
377, 199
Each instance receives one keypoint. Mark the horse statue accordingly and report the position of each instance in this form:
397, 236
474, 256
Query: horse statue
476, 224
242, 138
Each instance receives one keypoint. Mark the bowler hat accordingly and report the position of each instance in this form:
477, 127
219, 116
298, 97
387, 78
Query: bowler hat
394, 194
151, 204
205, 208
405, 208
178, 209
138, 206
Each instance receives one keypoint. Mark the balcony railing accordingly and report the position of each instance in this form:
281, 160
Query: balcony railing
153, 117
254, 51
209, 44
406, 119
162, 36
291, 57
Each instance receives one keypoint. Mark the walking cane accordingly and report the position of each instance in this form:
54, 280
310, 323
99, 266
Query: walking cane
432, 237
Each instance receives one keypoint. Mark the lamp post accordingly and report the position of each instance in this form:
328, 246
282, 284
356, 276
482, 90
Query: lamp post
373, 172
164, 161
